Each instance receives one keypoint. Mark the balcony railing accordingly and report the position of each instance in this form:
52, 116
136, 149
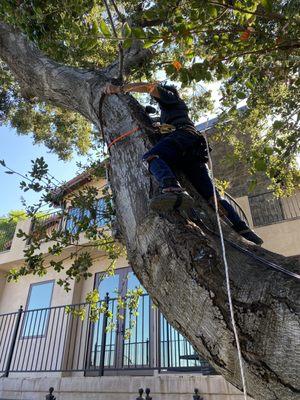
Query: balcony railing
44, 226
266, 209
52, 340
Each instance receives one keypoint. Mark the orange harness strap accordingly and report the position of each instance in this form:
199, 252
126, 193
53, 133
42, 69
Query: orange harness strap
123, 136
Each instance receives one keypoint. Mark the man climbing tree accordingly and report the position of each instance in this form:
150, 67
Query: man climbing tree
56, 62
184, 149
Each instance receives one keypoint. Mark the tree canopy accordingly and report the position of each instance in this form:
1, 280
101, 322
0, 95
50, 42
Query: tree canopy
250, 47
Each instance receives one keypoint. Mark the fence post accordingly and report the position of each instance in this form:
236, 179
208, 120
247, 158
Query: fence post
196, 395
13, 342
103, 338
50, 395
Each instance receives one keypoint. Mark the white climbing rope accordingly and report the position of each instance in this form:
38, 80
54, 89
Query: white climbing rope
226, 271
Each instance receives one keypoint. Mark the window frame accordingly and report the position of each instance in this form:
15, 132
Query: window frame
26, 310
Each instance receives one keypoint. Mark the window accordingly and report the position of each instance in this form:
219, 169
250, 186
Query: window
101, 217
149, 330
37, 310
75, 215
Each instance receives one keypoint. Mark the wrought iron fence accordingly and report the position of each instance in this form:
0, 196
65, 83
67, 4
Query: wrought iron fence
176, 353
266, 209
52, 339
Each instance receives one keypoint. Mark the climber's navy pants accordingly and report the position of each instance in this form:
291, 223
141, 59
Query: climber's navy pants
184, 151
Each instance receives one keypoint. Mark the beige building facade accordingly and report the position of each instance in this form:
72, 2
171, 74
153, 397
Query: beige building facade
41, 345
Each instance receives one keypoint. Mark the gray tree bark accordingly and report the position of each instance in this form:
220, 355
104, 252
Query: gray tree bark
178, 261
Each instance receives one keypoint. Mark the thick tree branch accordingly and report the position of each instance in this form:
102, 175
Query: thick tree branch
47, 80
42, 78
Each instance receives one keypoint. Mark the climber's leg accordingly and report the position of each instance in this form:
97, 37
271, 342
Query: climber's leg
159, 161
198, 175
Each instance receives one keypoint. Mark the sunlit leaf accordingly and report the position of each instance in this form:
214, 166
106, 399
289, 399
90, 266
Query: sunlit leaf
104, 29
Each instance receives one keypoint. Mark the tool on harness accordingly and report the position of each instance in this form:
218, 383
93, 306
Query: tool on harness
164, 129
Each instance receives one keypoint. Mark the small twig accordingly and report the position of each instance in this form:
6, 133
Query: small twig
266, 50
120, 16
24, 176
110, 18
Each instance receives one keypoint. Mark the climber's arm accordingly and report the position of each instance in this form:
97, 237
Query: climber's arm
140, 87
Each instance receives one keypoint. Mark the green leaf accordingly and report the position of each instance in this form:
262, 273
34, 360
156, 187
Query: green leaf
280, 142
260, 165
213, 12
138, 33
249, 85
127, 43
268, 150
241, 95
149, 43
252, 185
267, 4
197, 71
127, 30
150, 14
104, 29
277, 124
170, 70
185, 76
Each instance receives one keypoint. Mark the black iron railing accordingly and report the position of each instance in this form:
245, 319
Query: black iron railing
51, 339
266, 209
43, 226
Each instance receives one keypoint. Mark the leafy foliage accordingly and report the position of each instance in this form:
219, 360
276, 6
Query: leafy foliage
250, 46
8, 226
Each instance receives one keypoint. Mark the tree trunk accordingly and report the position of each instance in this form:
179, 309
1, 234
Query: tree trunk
176, 260
180, 265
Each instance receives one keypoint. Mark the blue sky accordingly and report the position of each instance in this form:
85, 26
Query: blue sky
17, 151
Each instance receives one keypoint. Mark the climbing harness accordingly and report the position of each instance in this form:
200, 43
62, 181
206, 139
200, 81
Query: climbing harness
163, 129
226, 273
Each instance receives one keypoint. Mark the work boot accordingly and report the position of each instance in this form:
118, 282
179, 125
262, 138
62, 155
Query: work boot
247, 233
172, 198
